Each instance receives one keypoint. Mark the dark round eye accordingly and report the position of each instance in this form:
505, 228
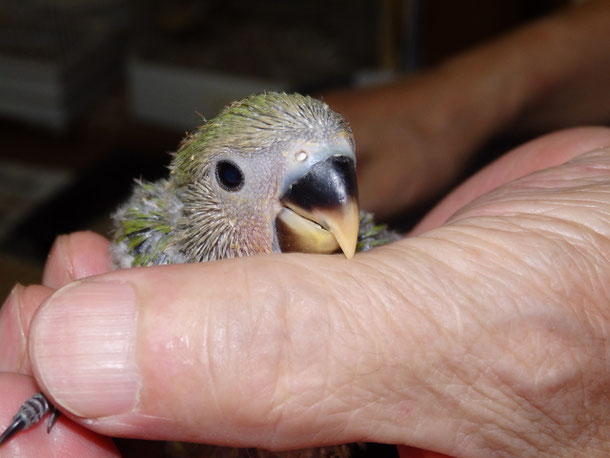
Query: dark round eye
230, 177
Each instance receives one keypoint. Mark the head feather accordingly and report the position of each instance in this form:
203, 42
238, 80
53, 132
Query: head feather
255, 123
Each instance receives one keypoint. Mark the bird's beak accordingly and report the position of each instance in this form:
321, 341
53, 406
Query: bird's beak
320, 209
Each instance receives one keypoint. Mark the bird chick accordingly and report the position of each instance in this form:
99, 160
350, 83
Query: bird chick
271, 173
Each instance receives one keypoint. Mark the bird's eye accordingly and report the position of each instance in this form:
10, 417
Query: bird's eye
229, 175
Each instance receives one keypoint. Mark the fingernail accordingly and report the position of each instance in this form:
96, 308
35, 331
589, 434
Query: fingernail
82, 348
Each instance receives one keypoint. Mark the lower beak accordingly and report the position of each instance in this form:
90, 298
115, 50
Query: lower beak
320, 213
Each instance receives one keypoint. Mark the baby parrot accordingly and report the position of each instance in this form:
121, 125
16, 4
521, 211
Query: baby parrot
271, 173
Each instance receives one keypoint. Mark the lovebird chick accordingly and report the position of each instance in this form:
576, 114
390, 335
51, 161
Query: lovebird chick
271, 173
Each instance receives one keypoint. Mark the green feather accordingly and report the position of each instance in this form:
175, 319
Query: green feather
371, 235
142, 225
253, 124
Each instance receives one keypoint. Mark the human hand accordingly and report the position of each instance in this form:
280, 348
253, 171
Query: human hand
72, 257
414, 136
487, 333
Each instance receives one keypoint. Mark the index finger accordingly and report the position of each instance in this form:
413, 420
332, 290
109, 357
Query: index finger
15, 317
76, 256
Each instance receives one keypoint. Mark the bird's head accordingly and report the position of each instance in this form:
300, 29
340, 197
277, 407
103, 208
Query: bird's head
273, 172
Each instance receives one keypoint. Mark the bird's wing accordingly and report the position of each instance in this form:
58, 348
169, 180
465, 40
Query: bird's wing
143, 226
371, 234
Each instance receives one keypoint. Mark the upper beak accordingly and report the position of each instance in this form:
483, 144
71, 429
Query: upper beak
320, 211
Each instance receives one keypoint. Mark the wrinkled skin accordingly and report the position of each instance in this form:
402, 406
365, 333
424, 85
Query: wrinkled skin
482, 333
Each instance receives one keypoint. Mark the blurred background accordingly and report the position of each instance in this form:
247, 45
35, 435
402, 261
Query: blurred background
94, 93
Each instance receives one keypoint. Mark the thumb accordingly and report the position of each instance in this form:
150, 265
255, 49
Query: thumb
179, 352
